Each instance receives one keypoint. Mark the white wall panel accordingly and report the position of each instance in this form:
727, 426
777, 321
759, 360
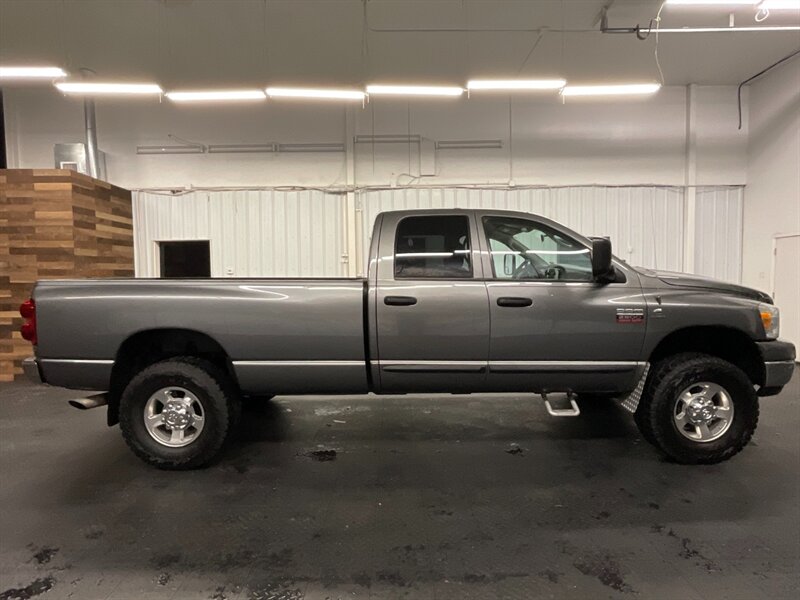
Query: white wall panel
645, 224
261, 233
273, 233
718, 233
772, 199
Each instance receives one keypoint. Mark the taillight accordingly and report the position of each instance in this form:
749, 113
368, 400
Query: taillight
28, 330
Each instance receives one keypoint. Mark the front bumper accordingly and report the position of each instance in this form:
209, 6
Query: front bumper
30, 366
779, 365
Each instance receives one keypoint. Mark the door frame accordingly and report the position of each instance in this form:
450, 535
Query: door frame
155, 258
775, 239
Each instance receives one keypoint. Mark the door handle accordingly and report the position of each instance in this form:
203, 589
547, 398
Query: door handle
400, 300
514, 302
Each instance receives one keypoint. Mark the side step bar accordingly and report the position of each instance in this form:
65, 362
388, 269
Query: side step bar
89, 402
572, 411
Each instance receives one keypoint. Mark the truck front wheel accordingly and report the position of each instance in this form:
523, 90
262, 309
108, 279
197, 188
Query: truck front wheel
177, 413
698, 409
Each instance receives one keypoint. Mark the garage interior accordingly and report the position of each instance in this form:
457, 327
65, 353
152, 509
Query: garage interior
692, 165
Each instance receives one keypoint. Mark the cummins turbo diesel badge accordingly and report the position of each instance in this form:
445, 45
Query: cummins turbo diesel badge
630, 315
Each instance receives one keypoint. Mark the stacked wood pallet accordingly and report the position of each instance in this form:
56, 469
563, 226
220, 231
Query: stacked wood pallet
55, 224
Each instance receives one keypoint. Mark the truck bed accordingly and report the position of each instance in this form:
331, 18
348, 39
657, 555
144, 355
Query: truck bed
283, 335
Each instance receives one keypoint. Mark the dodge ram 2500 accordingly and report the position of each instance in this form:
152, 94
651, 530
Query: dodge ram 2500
459, 301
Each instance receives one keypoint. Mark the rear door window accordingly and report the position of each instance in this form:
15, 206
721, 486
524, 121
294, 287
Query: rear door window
433, 247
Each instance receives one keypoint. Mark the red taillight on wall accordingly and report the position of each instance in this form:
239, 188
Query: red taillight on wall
28, 330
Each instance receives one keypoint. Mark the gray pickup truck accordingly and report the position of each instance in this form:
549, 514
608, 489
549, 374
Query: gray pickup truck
457, 301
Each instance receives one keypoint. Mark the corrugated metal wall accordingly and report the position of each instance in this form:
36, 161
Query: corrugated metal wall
252, 233
718, 232
283, 233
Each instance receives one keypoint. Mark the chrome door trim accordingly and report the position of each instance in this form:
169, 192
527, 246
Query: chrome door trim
299, 363
508, 366
77, 361
562, 366
432, 366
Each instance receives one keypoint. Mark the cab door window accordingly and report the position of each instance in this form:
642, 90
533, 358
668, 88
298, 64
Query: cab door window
523, 250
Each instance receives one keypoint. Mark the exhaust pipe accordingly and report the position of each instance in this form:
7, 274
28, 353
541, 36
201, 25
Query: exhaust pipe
89, 402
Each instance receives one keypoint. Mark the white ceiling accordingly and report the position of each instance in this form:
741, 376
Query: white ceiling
190, 43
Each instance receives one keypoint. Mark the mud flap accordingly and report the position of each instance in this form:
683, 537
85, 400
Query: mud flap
631, 401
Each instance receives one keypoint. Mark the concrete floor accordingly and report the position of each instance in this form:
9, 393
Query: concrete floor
422, 500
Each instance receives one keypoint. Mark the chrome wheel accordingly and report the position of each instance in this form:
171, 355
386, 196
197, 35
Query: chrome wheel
703, 412
174, 417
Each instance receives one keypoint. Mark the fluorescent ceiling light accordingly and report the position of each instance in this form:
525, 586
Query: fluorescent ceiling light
712, 2
611, 90
31, 73
216, 95
780, 5
274, 92
93, 87
414, 90
516, 84
723, 29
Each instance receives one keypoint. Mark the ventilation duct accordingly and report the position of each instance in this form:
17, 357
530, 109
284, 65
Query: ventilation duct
170, 149
469, 145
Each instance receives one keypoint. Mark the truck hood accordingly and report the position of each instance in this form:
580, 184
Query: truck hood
686, 280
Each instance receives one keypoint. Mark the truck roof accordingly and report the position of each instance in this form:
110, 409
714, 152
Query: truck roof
494, 211
459, 211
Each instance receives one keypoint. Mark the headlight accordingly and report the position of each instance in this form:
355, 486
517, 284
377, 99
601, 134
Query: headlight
771, 319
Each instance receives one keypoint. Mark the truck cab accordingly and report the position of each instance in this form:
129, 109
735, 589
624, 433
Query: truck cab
470, 300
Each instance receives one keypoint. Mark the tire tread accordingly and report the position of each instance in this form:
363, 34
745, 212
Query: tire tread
219, 385
649, 419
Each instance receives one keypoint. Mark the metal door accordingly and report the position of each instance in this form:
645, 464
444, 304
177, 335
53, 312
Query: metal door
431, 306
561, 333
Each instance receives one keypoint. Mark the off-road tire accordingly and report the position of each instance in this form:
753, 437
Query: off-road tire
643, 423
668, 379
218, 396
640, 417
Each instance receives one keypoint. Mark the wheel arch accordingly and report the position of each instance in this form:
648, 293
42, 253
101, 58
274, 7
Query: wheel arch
150, 346
727, 343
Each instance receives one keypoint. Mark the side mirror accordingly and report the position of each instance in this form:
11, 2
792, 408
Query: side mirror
602, 269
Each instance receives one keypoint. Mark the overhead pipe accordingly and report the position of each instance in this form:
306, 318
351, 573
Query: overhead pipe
756, 76
90, 120
91, 138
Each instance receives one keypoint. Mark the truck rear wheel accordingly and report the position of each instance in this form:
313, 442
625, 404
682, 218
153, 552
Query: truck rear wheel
698, 409
177, 414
